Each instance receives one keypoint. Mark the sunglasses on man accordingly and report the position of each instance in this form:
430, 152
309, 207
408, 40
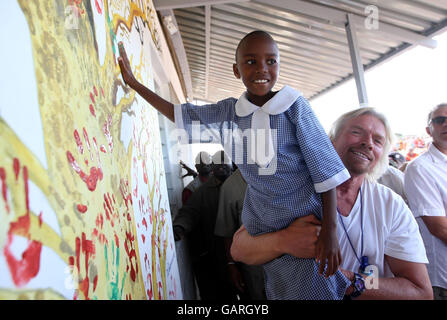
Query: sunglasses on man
438, 120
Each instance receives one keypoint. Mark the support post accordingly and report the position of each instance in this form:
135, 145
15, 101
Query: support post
356, 61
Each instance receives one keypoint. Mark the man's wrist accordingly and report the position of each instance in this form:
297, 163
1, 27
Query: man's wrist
358, 285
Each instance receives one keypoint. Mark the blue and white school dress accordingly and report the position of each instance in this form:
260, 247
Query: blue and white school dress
281, 188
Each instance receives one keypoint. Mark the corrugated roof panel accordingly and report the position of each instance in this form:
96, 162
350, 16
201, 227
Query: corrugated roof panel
314, 52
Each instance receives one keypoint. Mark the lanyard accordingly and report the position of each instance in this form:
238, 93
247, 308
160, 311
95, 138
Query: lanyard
363, 260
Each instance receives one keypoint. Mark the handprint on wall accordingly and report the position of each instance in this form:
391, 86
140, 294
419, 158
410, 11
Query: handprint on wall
87, 179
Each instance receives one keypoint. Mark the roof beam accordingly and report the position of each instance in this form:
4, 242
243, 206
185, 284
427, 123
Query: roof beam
176, 4
356, 62
207, 46
175, 39
338, 18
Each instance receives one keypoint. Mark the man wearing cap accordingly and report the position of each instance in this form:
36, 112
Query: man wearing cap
203, 167
426, 188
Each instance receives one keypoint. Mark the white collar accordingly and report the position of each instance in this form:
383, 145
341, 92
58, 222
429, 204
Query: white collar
264, 149
436, 154
279, 103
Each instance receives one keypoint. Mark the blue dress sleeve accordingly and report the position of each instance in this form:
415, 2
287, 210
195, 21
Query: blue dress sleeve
206, 123
326, 169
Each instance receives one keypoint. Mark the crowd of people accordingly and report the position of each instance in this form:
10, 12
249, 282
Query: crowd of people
322, 217
411, 146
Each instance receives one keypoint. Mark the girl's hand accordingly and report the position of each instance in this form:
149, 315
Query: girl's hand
328, 252
124, 64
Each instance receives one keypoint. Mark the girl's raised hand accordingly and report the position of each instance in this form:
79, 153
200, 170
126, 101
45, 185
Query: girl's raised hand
124, 64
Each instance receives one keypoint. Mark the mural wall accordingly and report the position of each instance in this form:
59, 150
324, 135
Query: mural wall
84, 211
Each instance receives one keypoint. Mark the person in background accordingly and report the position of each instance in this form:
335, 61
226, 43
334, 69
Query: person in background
394, 179
247, 280
203, 167
396, 159
426, 188
197, 220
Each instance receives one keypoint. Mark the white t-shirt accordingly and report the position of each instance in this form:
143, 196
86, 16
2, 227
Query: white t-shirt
426, 188
389, 228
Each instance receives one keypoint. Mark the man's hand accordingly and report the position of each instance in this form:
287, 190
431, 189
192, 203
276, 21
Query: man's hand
300, 237
297, 240
350, 275
328, 252
189, 171
126, 70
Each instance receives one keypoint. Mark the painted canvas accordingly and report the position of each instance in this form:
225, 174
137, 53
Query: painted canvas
84, 211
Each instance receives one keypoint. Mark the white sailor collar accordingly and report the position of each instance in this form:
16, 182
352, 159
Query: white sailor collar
279, 103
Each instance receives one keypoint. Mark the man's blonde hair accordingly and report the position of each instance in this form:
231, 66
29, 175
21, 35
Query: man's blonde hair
382, 163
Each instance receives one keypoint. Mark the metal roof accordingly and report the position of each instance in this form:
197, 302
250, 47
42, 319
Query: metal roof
311, 37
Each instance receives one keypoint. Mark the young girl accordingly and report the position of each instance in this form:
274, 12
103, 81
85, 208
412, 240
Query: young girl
300, 164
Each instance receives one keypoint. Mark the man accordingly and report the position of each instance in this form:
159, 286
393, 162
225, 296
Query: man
203, 167
248, 280
426, 188
376, 230
197, 219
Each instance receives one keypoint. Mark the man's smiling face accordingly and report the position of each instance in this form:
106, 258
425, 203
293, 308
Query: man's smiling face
360, 144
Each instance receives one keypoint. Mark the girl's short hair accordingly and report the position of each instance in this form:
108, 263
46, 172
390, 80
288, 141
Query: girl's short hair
382, 163
249, 35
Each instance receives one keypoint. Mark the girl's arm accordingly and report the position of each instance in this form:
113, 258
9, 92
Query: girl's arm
165, 107
328, 249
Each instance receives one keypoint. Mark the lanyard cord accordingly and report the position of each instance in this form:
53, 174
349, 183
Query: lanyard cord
361, 222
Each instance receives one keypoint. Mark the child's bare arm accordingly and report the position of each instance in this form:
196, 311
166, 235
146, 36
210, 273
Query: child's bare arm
165, 107
327, 248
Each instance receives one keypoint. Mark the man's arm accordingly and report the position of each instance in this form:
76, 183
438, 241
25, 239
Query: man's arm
188, 216
298, 239
236, 277
226, 223
426, 200
165, 107
410, 282
189, 171
437, 227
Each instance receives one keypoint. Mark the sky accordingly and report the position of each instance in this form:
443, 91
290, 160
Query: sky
404, 89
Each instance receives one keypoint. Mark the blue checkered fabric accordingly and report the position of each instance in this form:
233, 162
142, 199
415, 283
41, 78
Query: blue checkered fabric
304, 157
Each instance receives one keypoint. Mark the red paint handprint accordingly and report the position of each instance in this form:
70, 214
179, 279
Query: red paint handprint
27, 267
94, 173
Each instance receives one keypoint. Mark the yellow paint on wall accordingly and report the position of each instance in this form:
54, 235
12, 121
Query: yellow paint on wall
88, 179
